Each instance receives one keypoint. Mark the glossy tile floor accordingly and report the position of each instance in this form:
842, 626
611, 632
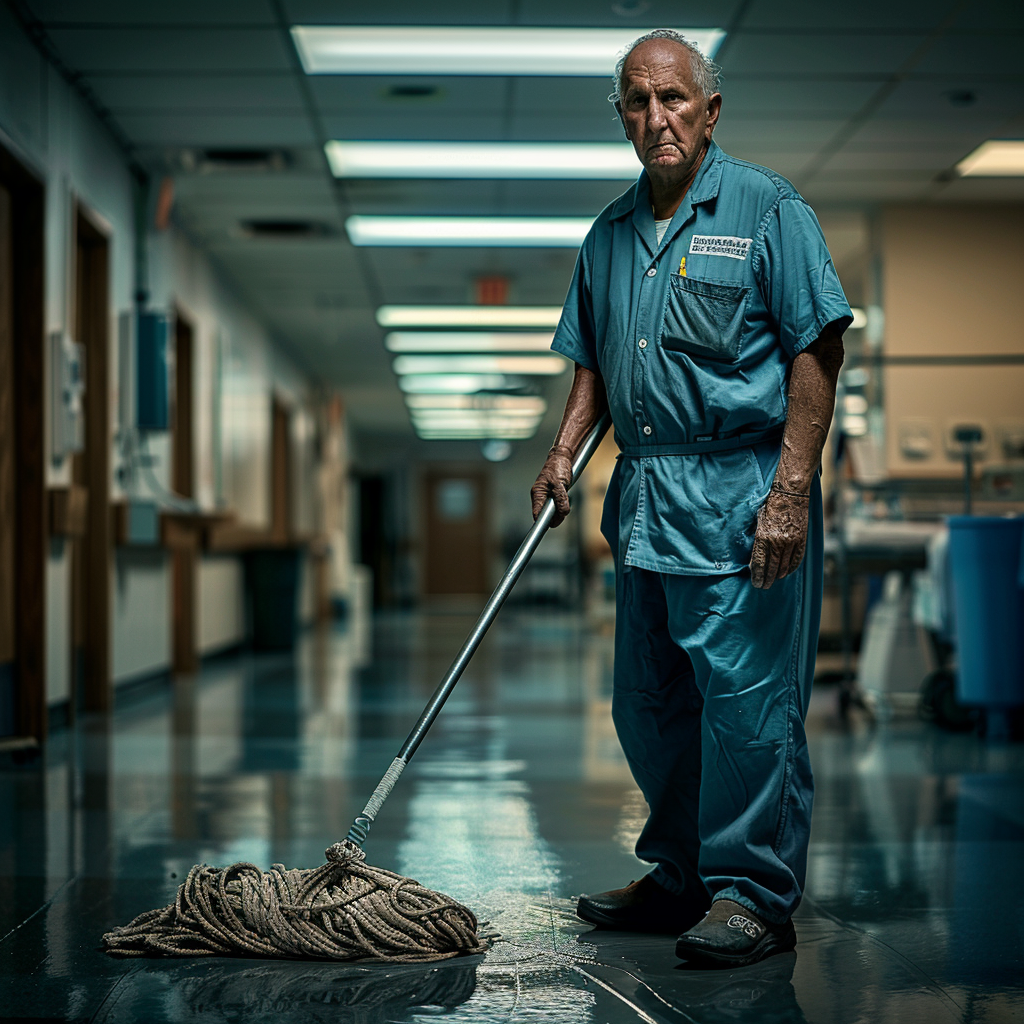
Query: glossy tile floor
518, 800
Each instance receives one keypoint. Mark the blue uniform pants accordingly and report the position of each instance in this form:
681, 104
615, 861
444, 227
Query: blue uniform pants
711, 686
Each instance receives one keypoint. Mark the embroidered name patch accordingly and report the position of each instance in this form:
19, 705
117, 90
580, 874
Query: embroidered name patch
720, 245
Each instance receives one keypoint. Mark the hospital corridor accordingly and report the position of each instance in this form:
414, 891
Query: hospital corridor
511, 512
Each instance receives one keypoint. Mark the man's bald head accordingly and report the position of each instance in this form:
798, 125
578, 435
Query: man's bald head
706, 74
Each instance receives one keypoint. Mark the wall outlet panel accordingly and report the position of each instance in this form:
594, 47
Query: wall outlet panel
923, 401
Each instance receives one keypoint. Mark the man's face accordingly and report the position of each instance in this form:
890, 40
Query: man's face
665, 115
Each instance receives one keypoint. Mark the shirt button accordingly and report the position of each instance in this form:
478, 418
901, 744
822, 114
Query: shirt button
647, 431
642, 343
652, 271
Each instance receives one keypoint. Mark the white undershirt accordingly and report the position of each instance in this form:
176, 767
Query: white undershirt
660, 227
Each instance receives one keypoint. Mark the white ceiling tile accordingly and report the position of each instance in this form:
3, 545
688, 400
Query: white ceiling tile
217, 130
910, 133
990, 15
824, 96
861, 160
434, 126
812, 15
838, 54
371, 96
213, 93
654, 14
966, 53
774, 133
119, 50
954, 98
788, 162
399, 12
120, 12
845, 191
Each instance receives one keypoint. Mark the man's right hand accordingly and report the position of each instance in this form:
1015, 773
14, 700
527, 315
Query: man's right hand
553, 482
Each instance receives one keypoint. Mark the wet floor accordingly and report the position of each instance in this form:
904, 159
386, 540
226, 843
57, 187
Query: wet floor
517, 801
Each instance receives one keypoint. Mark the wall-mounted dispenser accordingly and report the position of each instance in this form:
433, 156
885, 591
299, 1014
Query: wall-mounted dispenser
67, 427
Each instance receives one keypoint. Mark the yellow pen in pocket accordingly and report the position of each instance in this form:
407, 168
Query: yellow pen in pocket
682, 267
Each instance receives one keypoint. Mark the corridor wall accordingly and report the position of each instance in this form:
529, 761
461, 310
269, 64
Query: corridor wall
238, 368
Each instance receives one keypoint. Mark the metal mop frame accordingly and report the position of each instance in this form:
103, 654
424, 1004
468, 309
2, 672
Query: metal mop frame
361, 826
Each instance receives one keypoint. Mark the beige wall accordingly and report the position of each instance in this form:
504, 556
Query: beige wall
951, 281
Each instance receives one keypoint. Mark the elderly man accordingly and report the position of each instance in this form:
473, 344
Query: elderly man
705, 312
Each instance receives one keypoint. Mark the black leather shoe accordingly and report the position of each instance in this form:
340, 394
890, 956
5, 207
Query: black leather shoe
643, 906
731, 936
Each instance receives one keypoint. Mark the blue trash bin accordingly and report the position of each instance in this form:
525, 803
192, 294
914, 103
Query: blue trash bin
986, 564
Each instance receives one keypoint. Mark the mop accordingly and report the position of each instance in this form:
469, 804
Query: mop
345, 909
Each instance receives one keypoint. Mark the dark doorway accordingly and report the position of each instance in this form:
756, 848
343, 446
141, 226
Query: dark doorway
280, 474
22, 467
92, 687
184, 557
7, 485
456, 522
376, 548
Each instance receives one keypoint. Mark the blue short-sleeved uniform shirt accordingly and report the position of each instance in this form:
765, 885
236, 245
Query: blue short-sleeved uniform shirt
695, 338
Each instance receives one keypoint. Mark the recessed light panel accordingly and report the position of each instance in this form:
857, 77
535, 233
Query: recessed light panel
454, 383
467, 341
472, 232
544, 366
469, 316
997, 158
574, 160
502, 403
449, 50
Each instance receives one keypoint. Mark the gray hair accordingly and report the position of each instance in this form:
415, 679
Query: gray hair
707, 75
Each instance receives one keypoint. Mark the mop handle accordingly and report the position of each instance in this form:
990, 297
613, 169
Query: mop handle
361, 826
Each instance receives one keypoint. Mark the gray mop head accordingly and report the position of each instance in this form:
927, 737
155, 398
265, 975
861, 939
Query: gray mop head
343, 910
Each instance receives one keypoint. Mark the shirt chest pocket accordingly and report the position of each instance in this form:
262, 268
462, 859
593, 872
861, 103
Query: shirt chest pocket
704, 318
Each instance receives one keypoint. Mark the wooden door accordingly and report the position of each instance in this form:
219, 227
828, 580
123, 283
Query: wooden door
456, 533
184, 568
92, 684
7, 495
22, 464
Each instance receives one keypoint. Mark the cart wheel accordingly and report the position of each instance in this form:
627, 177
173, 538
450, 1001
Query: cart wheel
939, 703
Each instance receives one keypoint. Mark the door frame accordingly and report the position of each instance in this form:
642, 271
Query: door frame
92, 244
29, 374
184, 555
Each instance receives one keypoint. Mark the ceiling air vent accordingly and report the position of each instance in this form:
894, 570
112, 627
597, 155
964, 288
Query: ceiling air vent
212, 161
287, 230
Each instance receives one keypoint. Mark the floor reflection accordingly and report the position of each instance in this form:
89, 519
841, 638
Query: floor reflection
518, 800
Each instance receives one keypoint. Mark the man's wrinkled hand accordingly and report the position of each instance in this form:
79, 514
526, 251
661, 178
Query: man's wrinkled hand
553, 482
780, 539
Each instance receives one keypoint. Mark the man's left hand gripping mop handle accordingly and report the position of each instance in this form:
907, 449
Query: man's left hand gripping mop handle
361, 826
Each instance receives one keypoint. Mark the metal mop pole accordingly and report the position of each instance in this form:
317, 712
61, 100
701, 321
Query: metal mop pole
361, 826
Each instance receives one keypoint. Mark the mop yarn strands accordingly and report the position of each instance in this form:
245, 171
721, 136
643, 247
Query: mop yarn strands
343, 910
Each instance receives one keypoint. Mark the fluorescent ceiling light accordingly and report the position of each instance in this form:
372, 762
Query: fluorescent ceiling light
997, 158
468, 316
453, 383
532, 403
473, 418
545, 366
507, 432
445, 50
466, 341
575, 160
542, 232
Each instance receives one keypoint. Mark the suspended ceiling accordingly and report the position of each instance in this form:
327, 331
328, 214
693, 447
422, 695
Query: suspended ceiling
859, 104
